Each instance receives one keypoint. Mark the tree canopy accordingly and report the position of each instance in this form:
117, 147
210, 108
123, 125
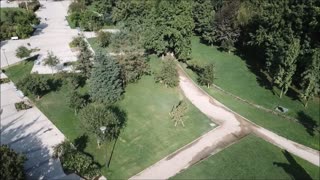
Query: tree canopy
17, 22
11, 164
106, 85
94, 116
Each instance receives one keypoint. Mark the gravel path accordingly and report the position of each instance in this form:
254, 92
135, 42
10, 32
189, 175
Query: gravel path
232, 128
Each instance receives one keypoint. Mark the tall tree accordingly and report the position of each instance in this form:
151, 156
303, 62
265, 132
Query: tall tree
202, 13
105, 81
287, 65
311, 78
84, 63
168, 28
95, 116
207, 75
222, 28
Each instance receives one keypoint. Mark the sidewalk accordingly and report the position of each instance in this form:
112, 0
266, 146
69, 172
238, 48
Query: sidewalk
30, 132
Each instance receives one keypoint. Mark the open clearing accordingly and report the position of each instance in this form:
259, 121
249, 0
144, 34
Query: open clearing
149, 134
242, 82
251, 158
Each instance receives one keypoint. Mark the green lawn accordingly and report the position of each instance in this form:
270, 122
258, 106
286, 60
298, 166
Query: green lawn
251, 158
149, 134
95, 46
234, 76
19, 70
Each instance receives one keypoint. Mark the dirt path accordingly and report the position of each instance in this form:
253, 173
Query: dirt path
232, 128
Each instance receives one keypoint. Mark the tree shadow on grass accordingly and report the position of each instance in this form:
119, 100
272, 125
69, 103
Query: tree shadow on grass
255, 62
81, 142
310, 124
295, 170
253, 58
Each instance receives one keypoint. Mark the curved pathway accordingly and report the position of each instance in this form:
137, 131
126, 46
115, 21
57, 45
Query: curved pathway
232, 128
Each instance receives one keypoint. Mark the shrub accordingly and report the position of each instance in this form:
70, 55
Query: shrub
76, 161
76, 42
22, 106
103, 38
38, 85
34, 5
11, 164
23, 52
17, 22
4, 80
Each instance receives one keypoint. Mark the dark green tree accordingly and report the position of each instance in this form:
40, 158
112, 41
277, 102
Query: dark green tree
168, 28
202, 13
311, 79
84, 63
106, 85
287, 66
11, 164
34, 84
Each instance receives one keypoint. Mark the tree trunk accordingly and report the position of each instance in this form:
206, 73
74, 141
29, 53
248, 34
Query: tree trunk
281, 93
306, 103
98, 142
26, 2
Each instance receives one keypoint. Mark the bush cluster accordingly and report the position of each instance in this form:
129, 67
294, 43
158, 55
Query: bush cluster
22, 106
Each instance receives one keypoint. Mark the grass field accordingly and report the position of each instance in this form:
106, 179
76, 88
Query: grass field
251, 158
149, 134
234, 76
94, 44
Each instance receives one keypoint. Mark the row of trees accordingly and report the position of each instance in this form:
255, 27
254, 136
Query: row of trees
284, 35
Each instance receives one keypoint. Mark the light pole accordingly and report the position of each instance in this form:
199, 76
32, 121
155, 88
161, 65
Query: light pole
4, 53
103, 130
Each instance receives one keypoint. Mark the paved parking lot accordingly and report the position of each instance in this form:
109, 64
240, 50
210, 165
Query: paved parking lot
52, 34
